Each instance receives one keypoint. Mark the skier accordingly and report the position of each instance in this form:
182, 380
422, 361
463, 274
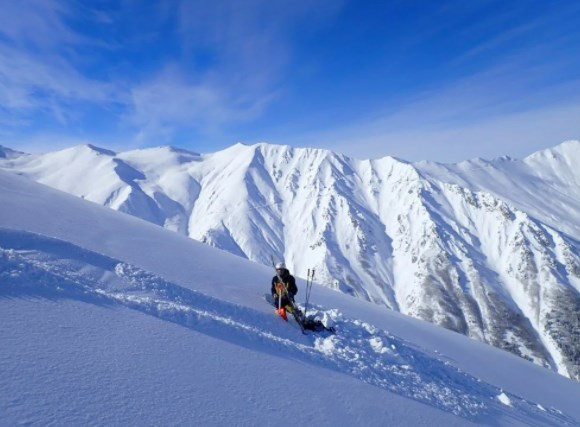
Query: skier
284, 287
283, 291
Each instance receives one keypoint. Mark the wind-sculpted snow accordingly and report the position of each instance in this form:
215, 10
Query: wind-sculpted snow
36, 266
485, 248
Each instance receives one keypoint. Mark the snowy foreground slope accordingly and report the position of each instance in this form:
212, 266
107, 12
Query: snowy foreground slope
489, 249
106, 319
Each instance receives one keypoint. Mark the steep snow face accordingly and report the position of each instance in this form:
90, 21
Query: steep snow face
106, 317
545, 185
488, 249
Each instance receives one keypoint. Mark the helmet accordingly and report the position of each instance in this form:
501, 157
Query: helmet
281, 266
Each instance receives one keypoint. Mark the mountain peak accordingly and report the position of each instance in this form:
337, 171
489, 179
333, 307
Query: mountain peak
270, 148
108, 271
567, 150
9, 153
92, 148
178, 150
409, 236
100, 150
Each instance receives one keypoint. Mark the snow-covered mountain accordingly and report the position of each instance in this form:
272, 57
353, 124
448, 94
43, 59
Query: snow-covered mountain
485, 248
107, 319
7, 153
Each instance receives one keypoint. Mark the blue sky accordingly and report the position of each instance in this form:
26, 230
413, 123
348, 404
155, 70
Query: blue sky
436, 80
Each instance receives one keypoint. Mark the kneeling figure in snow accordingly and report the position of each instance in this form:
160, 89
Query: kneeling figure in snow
283, 286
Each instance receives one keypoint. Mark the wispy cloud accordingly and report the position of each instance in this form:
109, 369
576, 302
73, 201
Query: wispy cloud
217, 69
488, 114
229, 62
37, 24
514, 134
171, 100
37, 72
246, 48
31, 82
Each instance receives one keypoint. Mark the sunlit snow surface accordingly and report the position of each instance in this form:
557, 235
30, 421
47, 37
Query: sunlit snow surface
106, 319
486, 248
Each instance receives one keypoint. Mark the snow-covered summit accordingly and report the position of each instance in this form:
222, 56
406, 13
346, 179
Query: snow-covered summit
568, 150
560, 164
8, 153
487, 248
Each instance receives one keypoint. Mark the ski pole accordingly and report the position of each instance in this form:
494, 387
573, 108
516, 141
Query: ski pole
306, 300
309, 280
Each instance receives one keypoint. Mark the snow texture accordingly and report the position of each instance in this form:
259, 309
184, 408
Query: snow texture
486, 248
106, 319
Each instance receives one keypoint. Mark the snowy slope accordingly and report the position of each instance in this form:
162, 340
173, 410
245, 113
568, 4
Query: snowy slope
485, 248
106, 319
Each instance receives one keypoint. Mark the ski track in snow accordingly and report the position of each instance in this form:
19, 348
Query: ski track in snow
36, 266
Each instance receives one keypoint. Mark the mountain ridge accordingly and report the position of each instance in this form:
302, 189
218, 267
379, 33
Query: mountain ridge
483, 247
118, 308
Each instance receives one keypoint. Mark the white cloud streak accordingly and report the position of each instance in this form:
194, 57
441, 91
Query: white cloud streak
246, 51
27, 81
35, 23
248, 47
170, 101
37, 73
